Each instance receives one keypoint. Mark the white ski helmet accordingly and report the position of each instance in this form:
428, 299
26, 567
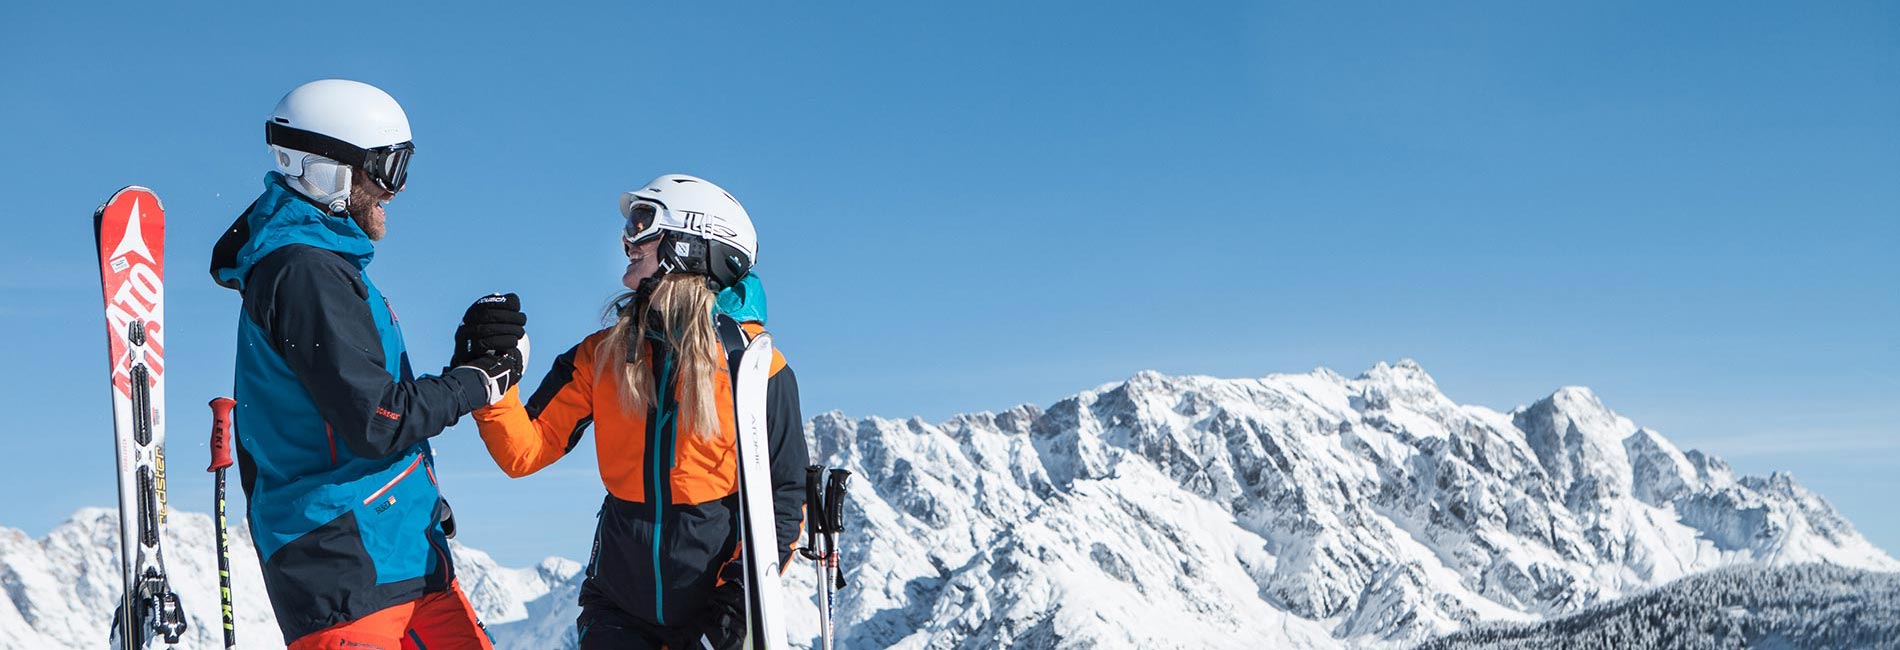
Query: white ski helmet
322, 130
703, 229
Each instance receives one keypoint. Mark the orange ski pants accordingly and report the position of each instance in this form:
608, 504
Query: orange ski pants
440, 621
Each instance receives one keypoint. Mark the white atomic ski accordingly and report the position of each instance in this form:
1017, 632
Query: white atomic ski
764, 603
130, 233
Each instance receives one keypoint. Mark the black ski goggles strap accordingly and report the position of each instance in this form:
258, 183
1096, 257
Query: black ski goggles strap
387, 165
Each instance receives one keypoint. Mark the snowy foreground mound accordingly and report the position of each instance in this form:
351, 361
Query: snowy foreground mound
1292, 511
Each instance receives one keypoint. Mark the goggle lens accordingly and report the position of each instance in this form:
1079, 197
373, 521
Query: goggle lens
640, 218
389, 166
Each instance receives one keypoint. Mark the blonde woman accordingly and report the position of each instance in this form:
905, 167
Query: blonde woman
657, 389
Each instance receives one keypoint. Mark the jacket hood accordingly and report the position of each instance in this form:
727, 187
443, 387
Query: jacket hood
282, 217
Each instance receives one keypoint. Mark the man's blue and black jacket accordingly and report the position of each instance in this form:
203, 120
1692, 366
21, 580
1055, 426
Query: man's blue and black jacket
332, 426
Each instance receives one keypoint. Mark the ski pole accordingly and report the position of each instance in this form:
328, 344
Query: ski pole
834, 523
221, 459
814, 529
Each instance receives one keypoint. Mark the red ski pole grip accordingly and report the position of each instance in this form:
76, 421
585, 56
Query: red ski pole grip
221, 433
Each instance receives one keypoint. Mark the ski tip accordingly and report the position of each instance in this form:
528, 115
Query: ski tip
129, 191
125, 192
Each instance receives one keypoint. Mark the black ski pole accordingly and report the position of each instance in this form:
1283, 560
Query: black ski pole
814, 531
221, 459
834, 523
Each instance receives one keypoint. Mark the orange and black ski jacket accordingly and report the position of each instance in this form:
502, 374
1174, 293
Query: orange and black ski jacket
670, 521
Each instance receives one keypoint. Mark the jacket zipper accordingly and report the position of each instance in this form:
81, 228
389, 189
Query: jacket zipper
392, 482
662, 467
442, 558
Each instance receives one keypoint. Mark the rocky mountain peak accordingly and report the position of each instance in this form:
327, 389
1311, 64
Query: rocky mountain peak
1297, 510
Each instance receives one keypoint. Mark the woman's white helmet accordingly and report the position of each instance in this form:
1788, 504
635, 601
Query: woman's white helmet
322, 130
703, 230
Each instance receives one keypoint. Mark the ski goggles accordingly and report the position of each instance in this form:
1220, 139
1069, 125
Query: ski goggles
641, 216
387, 165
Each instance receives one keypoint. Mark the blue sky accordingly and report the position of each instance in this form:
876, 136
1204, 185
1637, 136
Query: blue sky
1691, 208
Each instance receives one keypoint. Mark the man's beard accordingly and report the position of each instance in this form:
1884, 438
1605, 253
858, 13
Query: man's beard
362, 209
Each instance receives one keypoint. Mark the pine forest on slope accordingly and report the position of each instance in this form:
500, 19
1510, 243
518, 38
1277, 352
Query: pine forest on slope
1800, 606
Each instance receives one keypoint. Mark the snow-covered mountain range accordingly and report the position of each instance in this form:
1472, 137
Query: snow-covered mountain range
60, 591
1302, 510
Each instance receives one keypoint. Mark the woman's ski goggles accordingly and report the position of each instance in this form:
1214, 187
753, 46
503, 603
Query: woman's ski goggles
387, 165
641, 216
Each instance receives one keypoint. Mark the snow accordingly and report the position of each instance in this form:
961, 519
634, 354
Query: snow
1298, 510
1371, 511
60, 591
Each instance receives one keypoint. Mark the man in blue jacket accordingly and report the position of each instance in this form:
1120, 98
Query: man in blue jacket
332, 424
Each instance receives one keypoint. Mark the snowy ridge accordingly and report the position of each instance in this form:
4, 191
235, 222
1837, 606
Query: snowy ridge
60, 591
522, 608
1305, 510
1301, 511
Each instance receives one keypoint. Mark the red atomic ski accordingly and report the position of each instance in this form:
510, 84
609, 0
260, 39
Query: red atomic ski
130, 233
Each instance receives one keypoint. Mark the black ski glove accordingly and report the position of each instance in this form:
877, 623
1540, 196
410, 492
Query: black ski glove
500, 371
724, 621
494, 324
